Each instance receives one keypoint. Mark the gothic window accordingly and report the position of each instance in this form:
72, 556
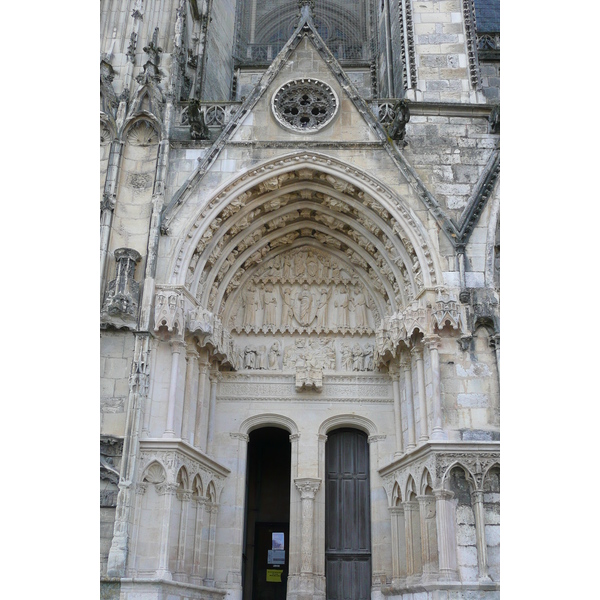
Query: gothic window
263, 28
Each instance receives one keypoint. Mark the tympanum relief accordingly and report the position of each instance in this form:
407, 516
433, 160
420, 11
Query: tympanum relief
302, 291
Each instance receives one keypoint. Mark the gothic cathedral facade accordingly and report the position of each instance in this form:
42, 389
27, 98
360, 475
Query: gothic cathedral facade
299, 267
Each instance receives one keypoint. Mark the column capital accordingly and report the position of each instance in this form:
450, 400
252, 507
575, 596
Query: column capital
294, 437
307, 486
141, 488
376, 438
396, 510
169, 489
192, 353
443, 494
240, 436
417, 352
432, 342
405, 363
177, 345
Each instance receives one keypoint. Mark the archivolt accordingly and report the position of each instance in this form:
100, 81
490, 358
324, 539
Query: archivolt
306, 200
268, 420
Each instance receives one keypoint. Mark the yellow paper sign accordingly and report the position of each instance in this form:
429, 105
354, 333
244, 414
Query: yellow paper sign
274, 575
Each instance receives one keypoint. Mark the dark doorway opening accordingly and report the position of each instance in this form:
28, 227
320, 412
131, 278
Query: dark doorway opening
266, 546
348, 516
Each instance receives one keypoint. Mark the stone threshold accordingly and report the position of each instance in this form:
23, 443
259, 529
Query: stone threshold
171, 583
413, 588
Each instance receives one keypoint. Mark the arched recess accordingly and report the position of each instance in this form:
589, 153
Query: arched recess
348, 420
268, 420
304, 200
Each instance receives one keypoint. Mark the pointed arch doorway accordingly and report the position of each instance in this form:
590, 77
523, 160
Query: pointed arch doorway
266, 533
347, 516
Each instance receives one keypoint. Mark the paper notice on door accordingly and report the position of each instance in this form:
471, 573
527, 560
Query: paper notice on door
274, 575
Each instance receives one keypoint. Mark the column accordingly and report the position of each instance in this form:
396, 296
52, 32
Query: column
446, 534
477, 502
196, 577
185, 496
433, 344
176, 348
214, 378
409, 509
203, 372
167, 490
191, 359
427, 513
398, 544
308, 488
406, 370
212, 510
236, 545
140, 490
397, 413
417, 353
495, 344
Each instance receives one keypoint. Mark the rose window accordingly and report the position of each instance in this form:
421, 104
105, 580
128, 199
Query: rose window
305, 105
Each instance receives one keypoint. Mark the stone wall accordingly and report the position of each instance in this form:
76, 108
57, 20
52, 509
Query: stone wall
116, 351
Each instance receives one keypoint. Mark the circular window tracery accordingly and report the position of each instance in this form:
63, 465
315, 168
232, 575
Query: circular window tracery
305, 105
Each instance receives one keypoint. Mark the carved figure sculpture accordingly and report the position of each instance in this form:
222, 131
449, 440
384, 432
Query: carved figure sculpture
368, 357
270, 304
341, 304
305, 302
322, 306
346, 357
357, 358
251, 304
287, 267
286, 311
274, 354
360, 309
261, 357
249, 358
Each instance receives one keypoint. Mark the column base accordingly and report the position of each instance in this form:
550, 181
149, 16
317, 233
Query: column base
306, 587
438, 435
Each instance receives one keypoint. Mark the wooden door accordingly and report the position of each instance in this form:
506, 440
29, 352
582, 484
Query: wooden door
348, 519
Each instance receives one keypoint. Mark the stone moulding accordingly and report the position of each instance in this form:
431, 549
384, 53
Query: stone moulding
173, 454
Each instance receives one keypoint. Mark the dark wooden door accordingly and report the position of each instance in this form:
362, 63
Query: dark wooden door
348, 519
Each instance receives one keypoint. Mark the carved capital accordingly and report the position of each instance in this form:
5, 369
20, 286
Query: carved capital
376, 438
433, 342
294, 437
443, 494
140, 489
417, 352
240, 436
167, 489
307, 487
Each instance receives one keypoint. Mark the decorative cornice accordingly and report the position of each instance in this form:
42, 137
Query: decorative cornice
165, 445
442, 449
